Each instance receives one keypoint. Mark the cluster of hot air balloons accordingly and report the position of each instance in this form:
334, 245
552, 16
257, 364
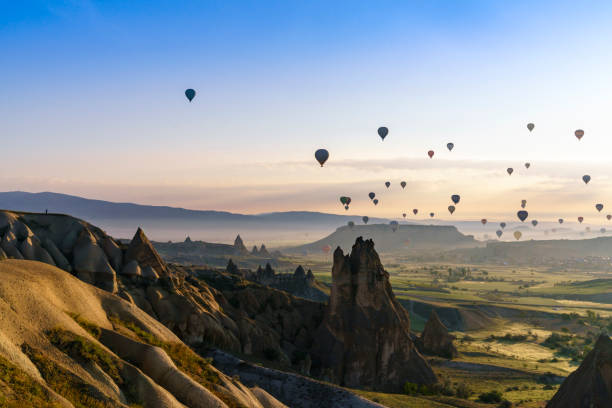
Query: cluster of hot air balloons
322, 155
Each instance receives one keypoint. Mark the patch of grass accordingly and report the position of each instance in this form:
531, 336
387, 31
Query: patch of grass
91, 328
66, 384
19, 390
84, 351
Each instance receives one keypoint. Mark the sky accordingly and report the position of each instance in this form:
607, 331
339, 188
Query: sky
92, 103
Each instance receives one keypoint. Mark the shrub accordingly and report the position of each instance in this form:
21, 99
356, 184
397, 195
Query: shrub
411, 388
505, 404
491, 397
463, 391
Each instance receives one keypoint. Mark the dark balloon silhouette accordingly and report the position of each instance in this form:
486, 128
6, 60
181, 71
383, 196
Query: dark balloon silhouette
365, 219
346, 207
599, 207
450, 146
510, 170
387, 183
483, 221
415, 211
609, 217
502, 224
499, 233
580, 219
430, 153
403, 184
394, 225
579, 133
375, 201
431, 215
383, 132
523, 203
586, 178
371, 195
530, 126
455, 198
534, 223
560, 220
522, 215
404, 215
527, 165
190, 94
451, 209
321, 155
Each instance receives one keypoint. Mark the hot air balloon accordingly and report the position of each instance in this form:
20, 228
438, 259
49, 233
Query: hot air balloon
599, 207
510, 170
190, 94
499, 233
534, 223
451, 209
365, 219
321, 155
560, 220
404, 215
403, 184
431, 215
455, 198
609, 217
586, 178
523, 203
580, 219
527, 165
326, 249
394, 225
415, 211
530, 126
371, 195
351, 224
522, 215
450, 146
375, 201
518, 235
383, 132
502, 224
483, 221
430, 153
346, 207
579, 133
344, 200
387, 183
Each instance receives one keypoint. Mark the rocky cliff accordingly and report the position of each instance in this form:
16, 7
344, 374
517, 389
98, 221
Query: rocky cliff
364, 340
435, 338
590, 386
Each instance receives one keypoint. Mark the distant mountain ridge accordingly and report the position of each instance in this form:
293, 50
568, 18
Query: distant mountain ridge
164, 222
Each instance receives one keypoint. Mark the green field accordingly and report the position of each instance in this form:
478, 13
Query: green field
525, 309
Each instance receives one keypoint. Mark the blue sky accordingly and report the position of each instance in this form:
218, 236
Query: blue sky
92, 102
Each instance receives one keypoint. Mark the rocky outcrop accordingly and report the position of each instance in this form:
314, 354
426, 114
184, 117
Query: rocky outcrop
300, 283
263, 251
142, 251
240, 247
364, 340
435, 338
254, 251
294, 390
590, 386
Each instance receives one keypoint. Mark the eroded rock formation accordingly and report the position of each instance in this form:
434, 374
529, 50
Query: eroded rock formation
364, 340
590, 386
436, 339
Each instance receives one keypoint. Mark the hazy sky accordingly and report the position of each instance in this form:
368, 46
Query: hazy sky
92, 103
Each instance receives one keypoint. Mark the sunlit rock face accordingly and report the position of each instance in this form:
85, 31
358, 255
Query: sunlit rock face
364, 340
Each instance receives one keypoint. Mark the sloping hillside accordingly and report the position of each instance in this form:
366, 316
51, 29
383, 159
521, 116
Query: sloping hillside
408, 237
81, 345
